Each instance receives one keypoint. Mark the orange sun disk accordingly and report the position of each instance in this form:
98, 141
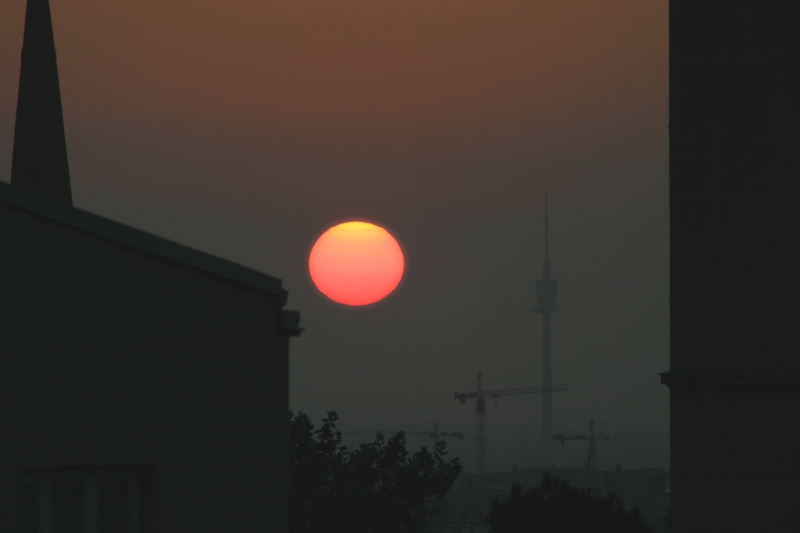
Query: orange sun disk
356, 263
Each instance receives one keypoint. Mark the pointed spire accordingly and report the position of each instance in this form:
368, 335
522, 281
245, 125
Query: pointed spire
39, 161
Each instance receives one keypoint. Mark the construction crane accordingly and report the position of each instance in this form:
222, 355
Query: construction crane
435, 434
480, 409
592, 437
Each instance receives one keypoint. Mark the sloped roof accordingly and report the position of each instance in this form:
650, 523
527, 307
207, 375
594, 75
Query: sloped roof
138, 240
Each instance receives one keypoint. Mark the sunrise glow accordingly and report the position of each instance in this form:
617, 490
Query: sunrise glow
356, 263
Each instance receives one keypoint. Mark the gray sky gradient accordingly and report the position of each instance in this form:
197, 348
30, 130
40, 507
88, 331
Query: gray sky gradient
247, 141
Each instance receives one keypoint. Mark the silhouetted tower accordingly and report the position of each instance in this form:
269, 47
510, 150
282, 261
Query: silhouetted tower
39, 160
546, 289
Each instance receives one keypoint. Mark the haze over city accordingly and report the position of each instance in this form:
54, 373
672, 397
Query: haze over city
245, 129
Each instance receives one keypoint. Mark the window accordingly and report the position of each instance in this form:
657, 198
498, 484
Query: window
78, 501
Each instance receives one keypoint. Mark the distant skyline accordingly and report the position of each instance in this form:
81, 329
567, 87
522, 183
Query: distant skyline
245, 129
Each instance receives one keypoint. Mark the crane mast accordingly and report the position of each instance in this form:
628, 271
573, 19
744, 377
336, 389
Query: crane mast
480, 396
592, 437
591, 460
480, 415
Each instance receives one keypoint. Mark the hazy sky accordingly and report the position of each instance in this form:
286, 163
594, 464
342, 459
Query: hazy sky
245, 128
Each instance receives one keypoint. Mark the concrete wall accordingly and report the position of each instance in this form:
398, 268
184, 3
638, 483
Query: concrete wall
735, 463
734, 170
735, 229
109, 356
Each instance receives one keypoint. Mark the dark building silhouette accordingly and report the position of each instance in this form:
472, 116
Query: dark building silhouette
39, 160
734, 375
546, 290
143, 385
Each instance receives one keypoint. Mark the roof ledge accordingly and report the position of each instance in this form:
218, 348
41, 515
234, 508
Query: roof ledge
290, 323
139, 240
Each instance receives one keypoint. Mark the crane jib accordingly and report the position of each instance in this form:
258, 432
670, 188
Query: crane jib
496, 393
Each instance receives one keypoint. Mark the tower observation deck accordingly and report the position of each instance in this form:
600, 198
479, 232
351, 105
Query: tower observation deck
546, 289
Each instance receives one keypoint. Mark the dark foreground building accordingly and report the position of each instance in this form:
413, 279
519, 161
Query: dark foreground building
734, 374
141, 382
143, 385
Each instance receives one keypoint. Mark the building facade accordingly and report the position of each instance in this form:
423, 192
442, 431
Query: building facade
144, 385
734, 375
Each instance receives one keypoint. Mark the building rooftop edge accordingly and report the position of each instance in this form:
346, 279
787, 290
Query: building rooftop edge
139, 240
755, 377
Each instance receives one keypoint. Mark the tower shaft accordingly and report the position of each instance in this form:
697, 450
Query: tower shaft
546, 290
547, 397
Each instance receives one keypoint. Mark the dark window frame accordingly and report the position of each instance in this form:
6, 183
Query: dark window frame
139, 478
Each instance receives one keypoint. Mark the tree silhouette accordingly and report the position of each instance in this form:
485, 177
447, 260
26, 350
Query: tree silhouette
377, 488
555, 506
